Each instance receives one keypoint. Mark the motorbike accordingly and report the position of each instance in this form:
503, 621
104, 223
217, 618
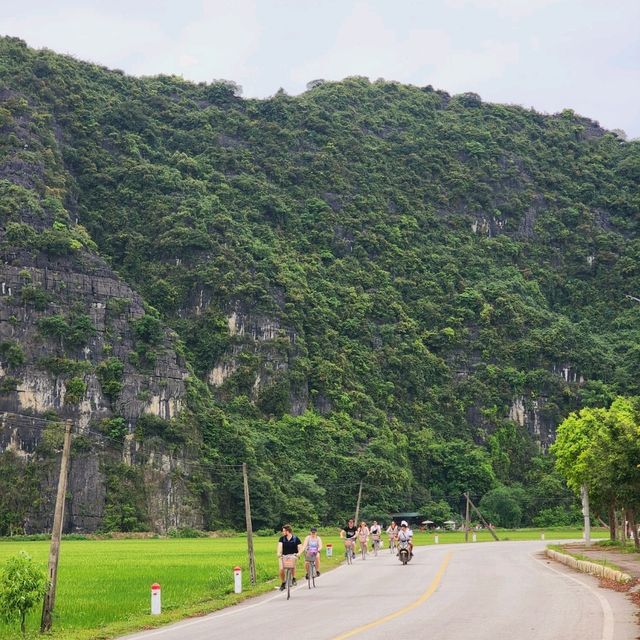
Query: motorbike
404, 552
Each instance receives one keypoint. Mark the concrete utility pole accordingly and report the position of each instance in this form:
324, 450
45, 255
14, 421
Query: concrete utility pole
56, 532
466, 520
585, 512
484, 522
358, 502
247, 515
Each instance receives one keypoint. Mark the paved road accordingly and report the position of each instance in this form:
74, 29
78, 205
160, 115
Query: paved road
483, 591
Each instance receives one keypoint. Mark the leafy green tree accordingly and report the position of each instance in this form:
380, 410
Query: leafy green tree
439, 511
503, 506
22, 586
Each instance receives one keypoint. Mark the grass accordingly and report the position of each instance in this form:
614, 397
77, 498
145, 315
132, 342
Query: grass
603, 562
104, 585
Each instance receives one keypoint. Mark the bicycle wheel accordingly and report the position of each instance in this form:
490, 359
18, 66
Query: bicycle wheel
288, 583
363, 551
347, 555
312, 574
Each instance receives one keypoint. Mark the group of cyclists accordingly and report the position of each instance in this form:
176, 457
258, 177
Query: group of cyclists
362, 533
289, 543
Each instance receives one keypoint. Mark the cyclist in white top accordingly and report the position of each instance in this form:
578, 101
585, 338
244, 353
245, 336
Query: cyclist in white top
311, 548
375, 532
363, 536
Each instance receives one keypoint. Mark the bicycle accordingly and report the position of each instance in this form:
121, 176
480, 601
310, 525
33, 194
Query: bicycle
363, 549
393, 545
348, 550
311, 573
375, 544
289, 564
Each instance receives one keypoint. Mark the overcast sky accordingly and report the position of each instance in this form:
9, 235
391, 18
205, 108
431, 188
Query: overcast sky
549, 54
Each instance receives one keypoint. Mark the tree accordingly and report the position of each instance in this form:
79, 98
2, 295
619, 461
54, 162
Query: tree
22, 586
503, 506
598, 449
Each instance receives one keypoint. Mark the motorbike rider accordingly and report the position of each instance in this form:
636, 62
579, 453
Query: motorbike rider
406, 535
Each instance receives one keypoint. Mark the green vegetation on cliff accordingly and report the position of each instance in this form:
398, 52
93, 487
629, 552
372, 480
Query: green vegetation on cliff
376, 281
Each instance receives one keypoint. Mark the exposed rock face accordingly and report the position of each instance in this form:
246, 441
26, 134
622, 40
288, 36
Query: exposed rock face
268, 346
49, 362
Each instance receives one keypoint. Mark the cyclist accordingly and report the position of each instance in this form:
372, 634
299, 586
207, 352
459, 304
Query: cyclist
375, 532
348, 534
288, 544
406, 535
392, 532
363, 536
311, 547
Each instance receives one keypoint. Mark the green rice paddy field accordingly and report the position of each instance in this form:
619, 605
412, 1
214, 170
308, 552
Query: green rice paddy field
104, 585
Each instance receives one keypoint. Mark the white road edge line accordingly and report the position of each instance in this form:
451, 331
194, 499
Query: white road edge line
608, 624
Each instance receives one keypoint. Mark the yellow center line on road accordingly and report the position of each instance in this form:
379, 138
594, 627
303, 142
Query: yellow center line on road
425, 596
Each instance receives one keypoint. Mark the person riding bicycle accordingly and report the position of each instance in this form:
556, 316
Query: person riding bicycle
363, 536
311, 547
392, 532
406, 535
375, 532
288, 544
348, 534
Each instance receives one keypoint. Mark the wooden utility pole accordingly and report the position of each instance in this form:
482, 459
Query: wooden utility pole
358, 502
484, 522
585, 512
466, 520
247, 515
56, 532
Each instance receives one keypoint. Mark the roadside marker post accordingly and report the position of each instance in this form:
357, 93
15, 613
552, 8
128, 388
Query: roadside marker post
474, 538
156, 607
436, 539
329, 550
542, 536
237, 579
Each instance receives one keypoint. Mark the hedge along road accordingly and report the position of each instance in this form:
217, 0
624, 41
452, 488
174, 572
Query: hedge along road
486, 592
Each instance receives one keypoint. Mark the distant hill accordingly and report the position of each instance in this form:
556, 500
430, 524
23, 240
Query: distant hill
369, 281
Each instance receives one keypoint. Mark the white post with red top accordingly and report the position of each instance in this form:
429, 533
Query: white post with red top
237, 579
329, 549
156, 607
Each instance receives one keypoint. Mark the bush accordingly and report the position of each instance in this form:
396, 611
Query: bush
53, 326
75, 390
34, 296
81, 329
186, 532
12, 353
115, 428
109, 373
558, 517
148, 329
22, 586
8, 384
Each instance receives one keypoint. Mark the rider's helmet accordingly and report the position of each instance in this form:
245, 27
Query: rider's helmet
313, 529
404, 523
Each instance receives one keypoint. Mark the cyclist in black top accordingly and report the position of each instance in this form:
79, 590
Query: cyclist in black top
288, 544
348, 534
